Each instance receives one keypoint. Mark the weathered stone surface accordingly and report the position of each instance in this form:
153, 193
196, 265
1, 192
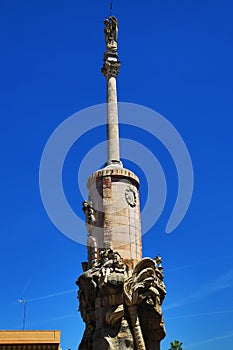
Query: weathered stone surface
144, 293
120, 294
115, 219
121, 308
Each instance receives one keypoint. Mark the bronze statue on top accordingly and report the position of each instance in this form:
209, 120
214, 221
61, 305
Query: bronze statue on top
111, 33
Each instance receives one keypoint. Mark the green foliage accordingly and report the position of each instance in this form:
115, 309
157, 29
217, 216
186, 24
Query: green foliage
176, 345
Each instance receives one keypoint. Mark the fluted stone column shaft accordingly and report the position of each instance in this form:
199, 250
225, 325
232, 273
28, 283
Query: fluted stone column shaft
113, 149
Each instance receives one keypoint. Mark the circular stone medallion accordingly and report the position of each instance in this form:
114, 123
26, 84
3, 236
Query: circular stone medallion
130, 196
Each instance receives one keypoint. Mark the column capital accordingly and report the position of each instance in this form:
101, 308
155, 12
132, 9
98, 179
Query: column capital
111, 64
111, 68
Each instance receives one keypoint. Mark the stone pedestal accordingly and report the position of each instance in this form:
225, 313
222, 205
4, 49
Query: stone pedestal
120, 307
114, 196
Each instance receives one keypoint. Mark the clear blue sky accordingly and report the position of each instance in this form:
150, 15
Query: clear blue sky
177, 59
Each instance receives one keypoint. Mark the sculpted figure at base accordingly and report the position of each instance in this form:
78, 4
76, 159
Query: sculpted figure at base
121, 309
101, 304
144, 293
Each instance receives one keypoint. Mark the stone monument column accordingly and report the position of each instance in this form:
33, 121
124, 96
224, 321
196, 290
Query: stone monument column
111, 70
113, 199
120, 294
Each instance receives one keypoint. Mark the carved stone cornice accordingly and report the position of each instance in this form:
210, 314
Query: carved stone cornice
113, 172
111, 68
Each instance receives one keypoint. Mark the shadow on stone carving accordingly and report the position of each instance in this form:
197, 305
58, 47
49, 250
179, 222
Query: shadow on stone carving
121, 308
